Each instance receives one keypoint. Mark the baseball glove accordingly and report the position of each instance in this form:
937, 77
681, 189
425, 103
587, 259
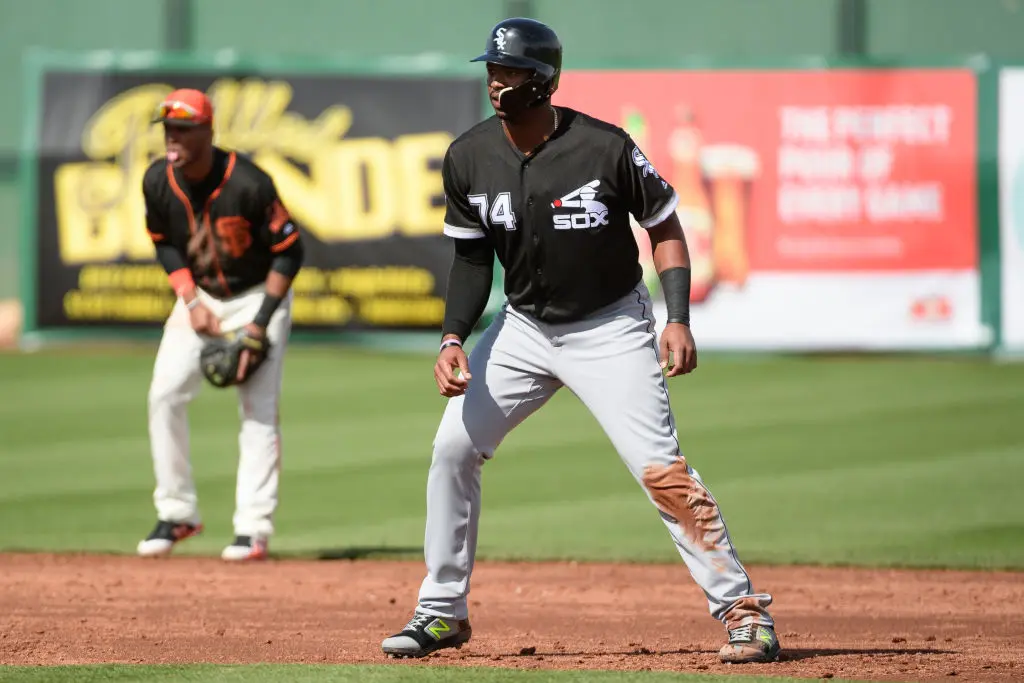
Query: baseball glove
221, 357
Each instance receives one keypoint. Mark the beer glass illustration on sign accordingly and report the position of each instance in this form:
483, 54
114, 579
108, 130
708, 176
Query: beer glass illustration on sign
713, 182
729, 171
685, 142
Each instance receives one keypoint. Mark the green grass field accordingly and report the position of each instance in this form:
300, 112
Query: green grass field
873, 461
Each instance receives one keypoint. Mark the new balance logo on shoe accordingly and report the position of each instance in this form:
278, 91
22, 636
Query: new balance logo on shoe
592, 214
437, 628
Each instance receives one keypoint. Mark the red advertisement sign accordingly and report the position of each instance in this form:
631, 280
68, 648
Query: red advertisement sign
805, 171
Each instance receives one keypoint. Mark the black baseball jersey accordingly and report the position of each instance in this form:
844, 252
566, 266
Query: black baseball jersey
559, 219
236, 206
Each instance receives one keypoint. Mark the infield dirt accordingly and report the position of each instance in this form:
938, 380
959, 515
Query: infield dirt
897, 625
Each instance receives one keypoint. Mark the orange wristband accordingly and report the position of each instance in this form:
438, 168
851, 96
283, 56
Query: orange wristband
181, 281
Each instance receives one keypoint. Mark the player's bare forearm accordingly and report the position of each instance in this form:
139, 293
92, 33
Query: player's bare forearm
668, 244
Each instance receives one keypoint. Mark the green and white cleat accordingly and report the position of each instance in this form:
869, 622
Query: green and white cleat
751, 644
425, 634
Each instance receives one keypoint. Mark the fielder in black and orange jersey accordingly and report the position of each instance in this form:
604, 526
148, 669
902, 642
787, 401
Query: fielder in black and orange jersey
231, 252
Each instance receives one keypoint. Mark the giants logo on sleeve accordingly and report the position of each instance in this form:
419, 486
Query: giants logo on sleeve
593, 213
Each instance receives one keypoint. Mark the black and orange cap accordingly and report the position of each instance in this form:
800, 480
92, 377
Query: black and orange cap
185, 107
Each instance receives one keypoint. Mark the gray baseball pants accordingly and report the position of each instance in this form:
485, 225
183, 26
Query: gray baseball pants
611, 362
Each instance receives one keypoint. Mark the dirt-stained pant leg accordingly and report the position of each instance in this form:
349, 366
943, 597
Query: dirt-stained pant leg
511, 379
612, 363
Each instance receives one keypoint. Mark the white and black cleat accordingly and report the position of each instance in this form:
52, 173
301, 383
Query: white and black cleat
425, 634
165, 535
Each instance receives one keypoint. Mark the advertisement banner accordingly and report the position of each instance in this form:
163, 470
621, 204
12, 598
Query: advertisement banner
1011, 206
822, 209
356, 159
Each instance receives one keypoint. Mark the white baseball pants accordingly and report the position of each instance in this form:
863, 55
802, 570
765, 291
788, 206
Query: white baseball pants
611, 362
177, 379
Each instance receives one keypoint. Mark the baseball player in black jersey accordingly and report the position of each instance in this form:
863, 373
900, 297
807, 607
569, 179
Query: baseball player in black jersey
550, 190
231, 252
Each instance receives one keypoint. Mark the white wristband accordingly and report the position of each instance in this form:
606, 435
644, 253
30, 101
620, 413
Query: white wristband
192, 304
449, 342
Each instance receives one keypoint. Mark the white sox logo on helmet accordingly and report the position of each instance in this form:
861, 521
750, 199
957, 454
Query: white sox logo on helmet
593, 213
499, 38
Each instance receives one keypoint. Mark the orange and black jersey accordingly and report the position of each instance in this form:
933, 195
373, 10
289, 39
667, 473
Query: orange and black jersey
228, 230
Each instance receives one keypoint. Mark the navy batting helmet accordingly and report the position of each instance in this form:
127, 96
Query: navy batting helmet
522, 43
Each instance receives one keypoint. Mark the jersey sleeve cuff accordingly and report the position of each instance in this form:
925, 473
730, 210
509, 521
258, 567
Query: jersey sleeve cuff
462, 233
665, 212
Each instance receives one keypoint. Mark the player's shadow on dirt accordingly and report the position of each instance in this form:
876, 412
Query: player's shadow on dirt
533, 653
368, 552
788, 655
798, 654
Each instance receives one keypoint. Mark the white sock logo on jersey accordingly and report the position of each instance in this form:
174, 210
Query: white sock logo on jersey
642, 163
594, 212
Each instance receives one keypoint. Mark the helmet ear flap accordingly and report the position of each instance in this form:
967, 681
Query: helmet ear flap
527, 94
553, 83
550, 87
548, 84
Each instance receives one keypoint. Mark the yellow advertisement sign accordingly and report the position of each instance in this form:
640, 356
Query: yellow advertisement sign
360, 177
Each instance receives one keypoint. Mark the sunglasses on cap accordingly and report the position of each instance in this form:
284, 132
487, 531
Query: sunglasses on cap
179, 112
